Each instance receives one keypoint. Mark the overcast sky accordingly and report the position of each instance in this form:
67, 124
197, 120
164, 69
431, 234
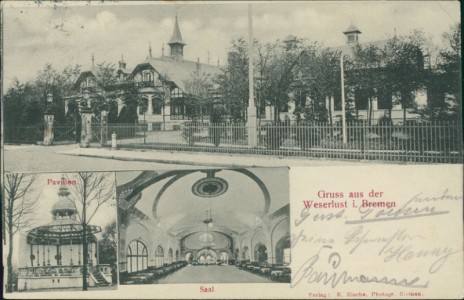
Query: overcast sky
47, 196
68, 33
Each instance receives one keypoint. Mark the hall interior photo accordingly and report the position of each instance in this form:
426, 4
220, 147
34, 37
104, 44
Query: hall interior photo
204, 226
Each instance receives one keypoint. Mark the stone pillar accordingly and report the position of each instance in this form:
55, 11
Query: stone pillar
150, 105
150, 113
103, 128
86, 132
120, 105
66, 108
48, 130
114, 144
375, 105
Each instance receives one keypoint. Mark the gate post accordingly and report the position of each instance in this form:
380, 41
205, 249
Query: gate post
86, 131
49, 118
103, 129
48, 130
114, 144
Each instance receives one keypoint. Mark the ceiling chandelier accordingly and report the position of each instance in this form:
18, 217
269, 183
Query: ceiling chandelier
207, 238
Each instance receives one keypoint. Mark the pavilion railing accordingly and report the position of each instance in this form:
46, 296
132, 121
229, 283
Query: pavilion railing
431, 142
42, 271
63, 270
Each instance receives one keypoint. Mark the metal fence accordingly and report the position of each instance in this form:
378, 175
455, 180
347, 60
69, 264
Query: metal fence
66, 133
23, 134
439, 142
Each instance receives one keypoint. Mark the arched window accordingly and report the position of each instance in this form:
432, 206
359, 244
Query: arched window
159, 257
137, 257
177, 102
143, 106
283, 251
246, 254
260, 253
170, 255
157, 106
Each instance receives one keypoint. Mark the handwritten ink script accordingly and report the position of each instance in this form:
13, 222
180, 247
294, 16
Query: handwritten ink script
392, 239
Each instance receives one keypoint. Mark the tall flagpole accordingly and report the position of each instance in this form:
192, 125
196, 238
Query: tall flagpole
251, 110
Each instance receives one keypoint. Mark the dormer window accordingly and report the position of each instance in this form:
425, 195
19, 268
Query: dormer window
147, 76
90, 82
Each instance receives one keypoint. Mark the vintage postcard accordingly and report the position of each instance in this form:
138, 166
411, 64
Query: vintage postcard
261, 149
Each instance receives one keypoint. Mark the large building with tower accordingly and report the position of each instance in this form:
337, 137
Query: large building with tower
385, 104
161, 82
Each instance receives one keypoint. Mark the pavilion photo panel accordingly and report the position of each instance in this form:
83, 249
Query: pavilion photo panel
61, 231
204, 226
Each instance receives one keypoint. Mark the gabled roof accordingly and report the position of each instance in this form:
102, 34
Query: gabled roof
176, 36
176, 71
85, 74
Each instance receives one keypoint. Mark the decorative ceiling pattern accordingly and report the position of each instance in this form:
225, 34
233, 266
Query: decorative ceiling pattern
233, 200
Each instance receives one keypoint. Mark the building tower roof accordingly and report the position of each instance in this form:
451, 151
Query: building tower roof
352, 29
176, 36
64, 203
289, 38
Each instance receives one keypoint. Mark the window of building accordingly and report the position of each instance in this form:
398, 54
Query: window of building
159, 257
177, 106
90, 82
352, 37
384, 98
177, 102
287, 256
407, 99
284, 107
143, 106
157, 106
283, 254
436, 92
170, 255
260, 253
147, 76
137, 257
176, 93
337, 100
361, 99
245, 253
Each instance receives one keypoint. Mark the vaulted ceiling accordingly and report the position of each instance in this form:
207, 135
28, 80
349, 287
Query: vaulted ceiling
182, 202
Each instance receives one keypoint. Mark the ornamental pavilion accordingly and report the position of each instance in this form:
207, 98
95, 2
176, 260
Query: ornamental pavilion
52, 254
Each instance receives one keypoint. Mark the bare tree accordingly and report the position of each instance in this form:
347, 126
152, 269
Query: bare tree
19, 208
91, 191
199, 87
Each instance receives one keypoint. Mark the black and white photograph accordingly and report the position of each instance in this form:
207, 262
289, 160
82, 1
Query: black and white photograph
61, 232
320, 83
207, 149
204, 226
